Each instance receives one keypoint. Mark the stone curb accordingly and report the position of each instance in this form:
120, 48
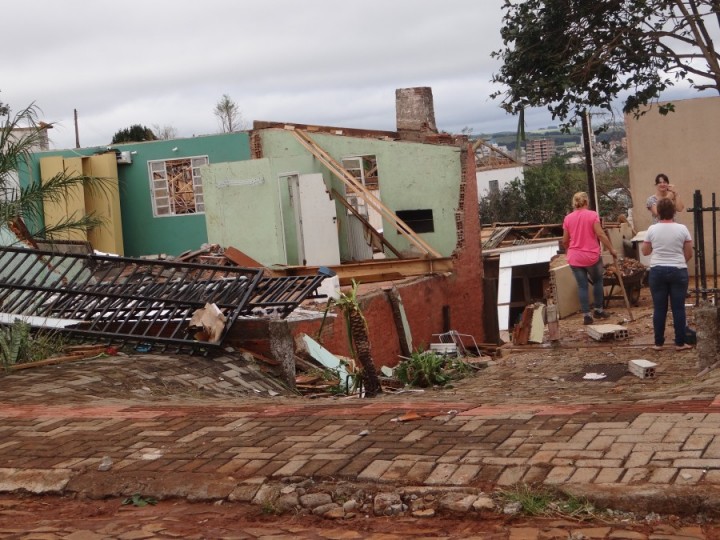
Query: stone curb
293, 494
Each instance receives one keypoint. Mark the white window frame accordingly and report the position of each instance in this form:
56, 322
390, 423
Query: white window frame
163, 204
355, 165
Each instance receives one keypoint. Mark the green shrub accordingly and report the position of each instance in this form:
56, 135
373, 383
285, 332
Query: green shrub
423, 369
19, 345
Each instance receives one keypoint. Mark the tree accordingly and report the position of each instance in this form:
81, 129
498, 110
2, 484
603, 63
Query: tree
545, 193
134, 133
21, 206
165, 132
228, 114
359, 339
575, 55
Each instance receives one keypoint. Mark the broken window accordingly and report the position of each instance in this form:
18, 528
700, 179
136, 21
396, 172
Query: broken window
420, 221
176, 186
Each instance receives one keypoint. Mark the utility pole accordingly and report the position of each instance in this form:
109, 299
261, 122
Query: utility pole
77, 132
589, 165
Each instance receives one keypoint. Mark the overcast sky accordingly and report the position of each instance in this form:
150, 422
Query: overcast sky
328, 62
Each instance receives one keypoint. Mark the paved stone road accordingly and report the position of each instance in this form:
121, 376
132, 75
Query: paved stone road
208, 448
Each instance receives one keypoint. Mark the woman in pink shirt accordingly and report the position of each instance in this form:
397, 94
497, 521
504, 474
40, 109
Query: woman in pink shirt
582, 235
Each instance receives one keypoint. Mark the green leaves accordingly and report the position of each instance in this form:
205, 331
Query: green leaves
571, 55
423, 369
139, 500
27, 202
134, 133
14, 342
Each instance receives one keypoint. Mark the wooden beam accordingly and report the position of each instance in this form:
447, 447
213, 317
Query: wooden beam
342, 200
374, 271
482, 142
348, 179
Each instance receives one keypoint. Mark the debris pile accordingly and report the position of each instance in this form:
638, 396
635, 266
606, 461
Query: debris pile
323, 374
628, 268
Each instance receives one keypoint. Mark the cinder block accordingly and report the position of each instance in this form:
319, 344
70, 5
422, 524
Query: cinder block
645, 369
607, 332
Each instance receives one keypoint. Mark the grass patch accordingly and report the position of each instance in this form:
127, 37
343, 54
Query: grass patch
542, 501
19, 344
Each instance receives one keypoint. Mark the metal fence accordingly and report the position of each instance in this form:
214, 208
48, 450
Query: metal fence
123, 300
699, 211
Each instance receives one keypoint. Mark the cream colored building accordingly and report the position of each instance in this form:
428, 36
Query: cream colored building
683, 145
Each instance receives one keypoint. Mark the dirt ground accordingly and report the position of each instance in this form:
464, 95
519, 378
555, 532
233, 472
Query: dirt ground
530, 374
542, 372
46, 518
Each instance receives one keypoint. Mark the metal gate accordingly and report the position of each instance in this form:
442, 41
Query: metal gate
120, 300
701, 289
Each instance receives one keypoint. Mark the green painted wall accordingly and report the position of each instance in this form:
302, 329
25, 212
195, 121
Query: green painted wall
144, 234
243, 209
412, 176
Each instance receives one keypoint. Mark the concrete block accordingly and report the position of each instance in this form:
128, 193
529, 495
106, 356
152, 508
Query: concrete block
645, 369
607, 332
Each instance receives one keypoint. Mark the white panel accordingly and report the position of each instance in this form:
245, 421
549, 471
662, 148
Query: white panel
359, 248
504, 290
518, 256
318, 221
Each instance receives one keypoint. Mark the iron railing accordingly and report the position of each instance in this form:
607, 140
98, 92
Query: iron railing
125, 300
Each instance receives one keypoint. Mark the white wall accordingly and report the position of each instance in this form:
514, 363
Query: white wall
503, 176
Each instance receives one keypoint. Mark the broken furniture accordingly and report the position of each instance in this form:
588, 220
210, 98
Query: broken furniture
122, 300
459, 340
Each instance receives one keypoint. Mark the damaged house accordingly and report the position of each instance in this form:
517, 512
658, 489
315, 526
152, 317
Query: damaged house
395, 208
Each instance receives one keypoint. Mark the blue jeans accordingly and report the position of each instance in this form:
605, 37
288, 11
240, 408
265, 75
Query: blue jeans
668, 282
595, 274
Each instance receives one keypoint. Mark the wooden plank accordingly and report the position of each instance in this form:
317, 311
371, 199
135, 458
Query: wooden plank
342, 200
344, 176
90, 353
241, 259
373, 271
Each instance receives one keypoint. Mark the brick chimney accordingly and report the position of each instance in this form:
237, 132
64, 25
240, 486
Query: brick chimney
415, 113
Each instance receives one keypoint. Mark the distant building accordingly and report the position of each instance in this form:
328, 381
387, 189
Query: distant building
538, 151
495, 167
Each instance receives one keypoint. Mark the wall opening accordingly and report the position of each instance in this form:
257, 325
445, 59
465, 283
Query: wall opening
420, 221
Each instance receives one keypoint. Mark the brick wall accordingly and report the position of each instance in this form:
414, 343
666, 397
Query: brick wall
423, 298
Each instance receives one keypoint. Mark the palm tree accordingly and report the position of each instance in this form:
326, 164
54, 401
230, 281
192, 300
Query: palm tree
359, 339
21, 134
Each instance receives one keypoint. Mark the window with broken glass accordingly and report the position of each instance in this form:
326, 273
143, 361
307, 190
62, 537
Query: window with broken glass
176, 186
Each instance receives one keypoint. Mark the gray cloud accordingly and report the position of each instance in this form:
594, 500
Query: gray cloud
162, 62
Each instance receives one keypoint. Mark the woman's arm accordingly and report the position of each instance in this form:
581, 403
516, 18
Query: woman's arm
687, 250
604, 240
675, 197
652, 206
646, 248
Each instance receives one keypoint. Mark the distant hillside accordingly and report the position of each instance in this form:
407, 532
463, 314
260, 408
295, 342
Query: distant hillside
509, 138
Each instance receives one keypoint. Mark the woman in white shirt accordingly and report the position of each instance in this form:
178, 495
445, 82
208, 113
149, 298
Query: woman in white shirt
670, 247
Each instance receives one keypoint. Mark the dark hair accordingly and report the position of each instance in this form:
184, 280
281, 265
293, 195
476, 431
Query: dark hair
665, 209
661, 177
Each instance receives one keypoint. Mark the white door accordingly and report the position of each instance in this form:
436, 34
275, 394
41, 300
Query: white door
315, 221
